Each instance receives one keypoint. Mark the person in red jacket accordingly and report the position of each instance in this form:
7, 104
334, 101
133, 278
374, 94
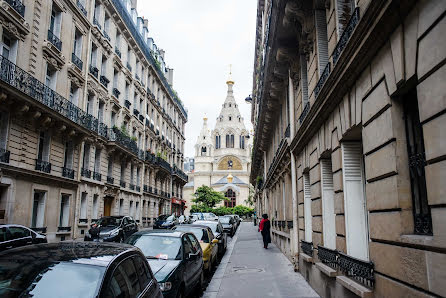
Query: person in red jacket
265, 229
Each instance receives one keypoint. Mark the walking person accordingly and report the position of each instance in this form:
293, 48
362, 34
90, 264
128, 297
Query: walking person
265, 229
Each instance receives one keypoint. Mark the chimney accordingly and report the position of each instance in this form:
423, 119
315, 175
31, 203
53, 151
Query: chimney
133, 3
146, 23
170, 76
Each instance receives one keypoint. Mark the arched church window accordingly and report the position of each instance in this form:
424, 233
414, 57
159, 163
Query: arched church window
229, 141
231, 195
203, 151
217, 142
242, 142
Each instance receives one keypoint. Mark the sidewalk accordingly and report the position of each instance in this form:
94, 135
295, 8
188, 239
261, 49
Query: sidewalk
249, 270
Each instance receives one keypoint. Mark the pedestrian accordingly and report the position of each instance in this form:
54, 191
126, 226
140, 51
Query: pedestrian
265, 229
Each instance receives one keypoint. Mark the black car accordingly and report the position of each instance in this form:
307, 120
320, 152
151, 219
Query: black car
111, 229
76, 269
17, 235
229, 224
236, 219
165, 221
175, 258
219, 233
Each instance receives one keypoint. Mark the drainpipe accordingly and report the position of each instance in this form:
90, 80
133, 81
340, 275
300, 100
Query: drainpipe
293, 174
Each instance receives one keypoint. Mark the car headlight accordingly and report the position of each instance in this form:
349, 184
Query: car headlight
114, 233
165, 286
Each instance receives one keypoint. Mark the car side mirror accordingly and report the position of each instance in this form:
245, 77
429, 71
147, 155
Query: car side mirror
192, 255
215, 241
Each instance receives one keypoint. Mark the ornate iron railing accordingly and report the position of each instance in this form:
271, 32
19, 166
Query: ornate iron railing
135, 112
96, 23
43, 166
76, 61
307, 247
178, 172
63, 229
110, 180
356, 269
18, 6
39, 230
106, 35
81, 7
127, 104
129, 66
304, 112
116, 92
94, 71
85, 173
115, 135
68, 173
132, 186
118, 52
164, 164
4, 155
149, 157
354, 20
328, 256
324, 76
54, 40
122, 183
97, 176
141, 118
138, 188
287, 131
104, 81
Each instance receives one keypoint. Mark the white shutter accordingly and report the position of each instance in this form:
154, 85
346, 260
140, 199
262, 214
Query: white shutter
322, 39
83, 211
46, 147
354, 201
41, 210
304, 79
57, 24
4, 121
328, 215
307, 209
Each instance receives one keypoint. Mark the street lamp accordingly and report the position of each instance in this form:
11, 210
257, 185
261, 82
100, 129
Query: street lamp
248, 99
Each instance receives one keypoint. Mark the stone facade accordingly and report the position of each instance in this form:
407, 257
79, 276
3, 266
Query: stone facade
90, 124
360, 207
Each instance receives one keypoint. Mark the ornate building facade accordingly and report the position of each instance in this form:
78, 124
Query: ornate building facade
349, 153
90, 125
223, 155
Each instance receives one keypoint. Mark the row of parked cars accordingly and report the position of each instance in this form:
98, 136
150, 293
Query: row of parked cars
170, 261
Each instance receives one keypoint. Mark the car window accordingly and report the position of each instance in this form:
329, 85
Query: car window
161, 247
3, 234
143, 271
125, 221
194, 242
211, 235
18, 232
187, 246
200, 233
219, 229
124, 282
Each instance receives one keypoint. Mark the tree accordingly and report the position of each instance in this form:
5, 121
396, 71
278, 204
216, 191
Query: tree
250, 200
205, 195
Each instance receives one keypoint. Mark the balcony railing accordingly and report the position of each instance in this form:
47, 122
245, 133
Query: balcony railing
118, 52
127, 104
96, 23
354, 20
85, 173
110, 180
164, 164
4, 155
115, 135
81, 7
18, 6
104, 81
287, 131
16, 77
54, 40
145, 188
64, 229
68, 173
129, 67
116, 92
356, 269
179, 173
149, 157
138, 188
328, 256
43, 166
76, 61
137, 77
122, 183
304, 112
106, 35
132, 186
97, 176
94, 71
307, 247
135, 112
141, 118
324, 76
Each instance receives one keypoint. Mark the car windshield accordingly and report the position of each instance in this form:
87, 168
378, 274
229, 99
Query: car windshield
224, 219
170, 218
56, 280
160, 247
162, 217
200, 233
109, 222
213, 226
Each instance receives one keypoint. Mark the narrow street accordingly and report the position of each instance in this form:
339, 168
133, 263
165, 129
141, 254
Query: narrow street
249, 270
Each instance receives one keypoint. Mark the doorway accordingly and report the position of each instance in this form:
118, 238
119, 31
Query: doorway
107, 206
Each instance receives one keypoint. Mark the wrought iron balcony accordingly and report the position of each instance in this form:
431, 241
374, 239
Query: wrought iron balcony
287, 131
304, 112
68, 173
39, 230
354, 20
64, 229
307, 247
149, 157
85, 173
150, 189
4, 155
81, 7
76, 61
115, 135
106, 35
83, 220
118, 52
122, 183
135, 112
104, 81
357, 269
18, 6
324, 76
141, 118
178, 172
164, 164
137, 77
116, 92
328, 256
155, 191
54, 40
145, 188
129, 67
110, 180
97, 176
94, 71
43, 166
132, 186
127, 104
96, 23
138, 188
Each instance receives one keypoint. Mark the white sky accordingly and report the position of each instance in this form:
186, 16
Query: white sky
201, 38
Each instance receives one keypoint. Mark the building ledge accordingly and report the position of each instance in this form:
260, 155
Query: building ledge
306, 257
327, 270
280, 233
355, 287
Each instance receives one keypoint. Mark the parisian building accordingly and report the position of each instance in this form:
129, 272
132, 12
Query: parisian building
90, 124
222, 155
348, 107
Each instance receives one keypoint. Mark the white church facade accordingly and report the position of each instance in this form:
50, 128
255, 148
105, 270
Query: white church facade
222, 156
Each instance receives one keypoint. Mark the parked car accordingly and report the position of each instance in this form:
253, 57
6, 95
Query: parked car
17, 235
111, 229
76, 269
219, 234
166, 222
235, 219
176, 260
193, 218
183, 219
207, 241
205, 216
228, 223
238, 219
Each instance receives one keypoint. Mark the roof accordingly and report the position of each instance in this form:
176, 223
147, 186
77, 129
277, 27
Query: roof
235, 180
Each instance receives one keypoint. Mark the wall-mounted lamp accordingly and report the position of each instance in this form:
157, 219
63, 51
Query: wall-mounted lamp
248, 99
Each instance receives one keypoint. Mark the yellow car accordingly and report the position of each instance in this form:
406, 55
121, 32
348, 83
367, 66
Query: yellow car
208, 243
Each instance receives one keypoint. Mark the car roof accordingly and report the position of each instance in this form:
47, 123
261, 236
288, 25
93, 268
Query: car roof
94, 253
170, 233
14, 225
205, 222
193, 226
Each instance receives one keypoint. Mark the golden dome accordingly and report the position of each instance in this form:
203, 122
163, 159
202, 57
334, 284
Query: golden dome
230, 177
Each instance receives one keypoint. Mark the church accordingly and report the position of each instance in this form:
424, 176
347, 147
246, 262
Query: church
222, 156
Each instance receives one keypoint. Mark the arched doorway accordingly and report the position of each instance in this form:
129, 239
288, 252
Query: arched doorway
231, 195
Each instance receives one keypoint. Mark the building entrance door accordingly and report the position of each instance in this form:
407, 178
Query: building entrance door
107, 206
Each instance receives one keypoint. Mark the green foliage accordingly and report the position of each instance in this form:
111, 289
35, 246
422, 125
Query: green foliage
200, 208
158, 154
134, 139
208, 197
250, 200
241, 210
220, 211
124, 131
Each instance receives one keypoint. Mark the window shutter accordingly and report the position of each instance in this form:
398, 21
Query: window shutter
322, 39
304, 78
329, 228
307, 208
4, 121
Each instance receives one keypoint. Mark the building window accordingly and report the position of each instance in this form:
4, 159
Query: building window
68, 158
242, 142
74, 94
203, 151
55, 21
231, 195
417, 163
95, 207
304, 80
9, 47
101, 112
113, 119
137, 176
110, 166
44, 146
90, 104
94, 55
51, 77
86, 159
64, 210
307, 208
230, 118
131, 174
83, 207
137, 210
38, 215
328, 215
217, 142
229, 141
131, 211
4, 125
97, 161
77, 50
121, 206
344, 11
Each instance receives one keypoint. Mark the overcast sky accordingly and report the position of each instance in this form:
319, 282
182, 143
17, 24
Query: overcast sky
201, 38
